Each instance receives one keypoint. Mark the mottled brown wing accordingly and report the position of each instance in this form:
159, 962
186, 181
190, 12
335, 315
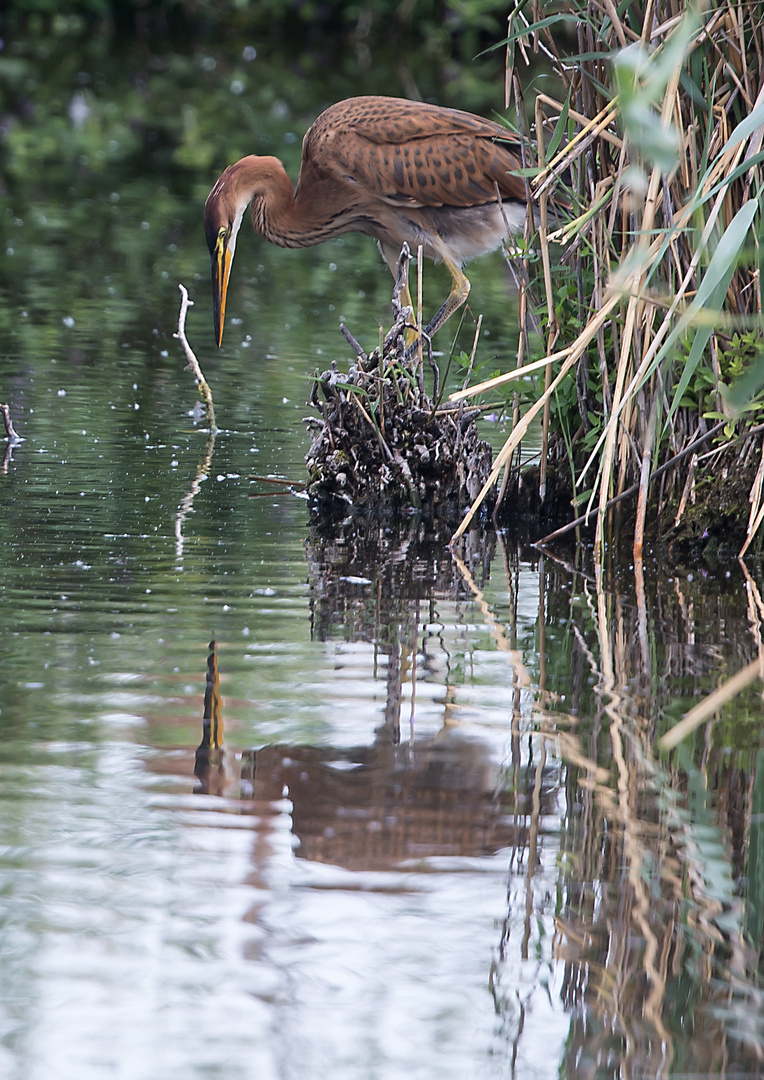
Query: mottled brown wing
413, 153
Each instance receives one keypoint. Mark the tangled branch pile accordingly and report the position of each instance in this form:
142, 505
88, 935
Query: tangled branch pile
382, 443
654, 324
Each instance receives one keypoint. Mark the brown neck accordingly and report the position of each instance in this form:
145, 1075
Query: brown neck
317, 213
265, 182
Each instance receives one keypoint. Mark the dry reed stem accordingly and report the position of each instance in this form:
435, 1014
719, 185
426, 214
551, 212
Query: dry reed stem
508, 376
474, 350
665, 326
575, 352
648, 219
609, 136
644, 478
757, 506
580, 141
705, 709
656, 262
553, 331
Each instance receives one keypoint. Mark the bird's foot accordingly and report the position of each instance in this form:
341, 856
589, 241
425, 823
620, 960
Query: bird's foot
411, 333
412, 347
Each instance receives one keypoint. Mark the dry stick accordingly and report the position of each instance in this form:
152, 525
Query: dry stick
634, 487
193, 363
644, 478
665, 326
11, 434
711, 704
624, 359
553, 331
574, 353
354, 345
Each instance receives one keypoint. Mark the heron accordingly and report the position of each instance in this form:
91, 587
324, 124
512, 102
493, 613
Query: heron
396, 170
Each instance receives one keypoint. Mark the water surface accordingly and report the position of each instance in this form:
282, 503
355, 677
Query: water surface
286, 798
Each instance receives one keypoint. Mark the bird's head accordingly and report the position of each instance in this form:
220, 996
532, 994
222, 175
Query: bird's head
223, 213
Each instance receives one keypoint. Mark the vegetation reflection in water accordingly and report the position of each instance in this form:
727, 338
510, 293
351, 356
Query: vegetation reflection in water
634, 896
657, 905
466, 743
437, 839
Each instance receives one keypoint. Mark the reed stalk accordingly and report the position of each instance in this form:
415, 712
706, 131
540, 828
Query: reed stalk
658, 128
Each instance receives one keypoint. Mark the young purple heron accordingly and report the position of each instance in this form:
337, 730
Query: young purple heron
393, 169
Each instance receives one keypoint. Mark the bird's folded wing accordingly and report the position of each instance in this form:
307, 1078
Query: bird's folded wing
420, 155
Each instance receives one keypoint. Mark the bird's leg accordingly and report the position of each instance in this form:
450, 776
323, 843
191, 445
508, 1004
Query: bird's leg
460, 288
406, 302
402, 296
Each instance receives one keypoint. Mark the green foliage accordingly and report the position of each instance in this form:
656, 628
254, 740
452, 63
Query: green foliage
738, 367
443, 35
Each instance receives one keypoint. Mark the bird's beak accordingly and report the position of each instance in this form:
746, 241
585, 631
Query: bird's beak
222, 260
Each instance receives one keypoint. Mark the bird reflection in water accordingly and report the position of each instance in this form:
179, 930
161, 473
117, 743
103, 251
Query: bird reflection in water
390, 801
210, 765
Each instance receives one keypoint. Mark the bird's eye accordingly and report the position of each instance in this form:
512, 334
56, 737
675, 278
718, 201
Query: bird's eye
222, 232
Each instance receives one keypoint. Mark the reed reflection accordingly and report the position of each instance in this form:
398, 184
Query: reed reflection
659, 868
634, 891
402, 795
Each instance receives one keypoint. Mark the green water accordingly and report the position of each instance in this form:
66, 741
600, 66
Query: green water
424, 830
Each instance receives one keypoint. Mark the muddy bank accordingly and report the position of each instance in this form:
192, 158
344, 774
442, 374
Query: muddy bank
700, 511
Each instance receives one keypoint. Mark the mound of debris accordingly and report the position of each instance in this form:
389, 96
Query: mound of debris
381, 443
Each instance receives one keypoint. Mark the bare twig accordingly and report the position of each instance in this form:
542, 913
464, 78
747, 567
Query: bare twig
193, 363
10, 433
355, 346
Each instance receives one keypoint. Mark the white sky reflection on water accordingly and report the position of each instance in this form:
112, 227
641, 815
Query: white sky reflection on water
174, 934
182, 941
335, 904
